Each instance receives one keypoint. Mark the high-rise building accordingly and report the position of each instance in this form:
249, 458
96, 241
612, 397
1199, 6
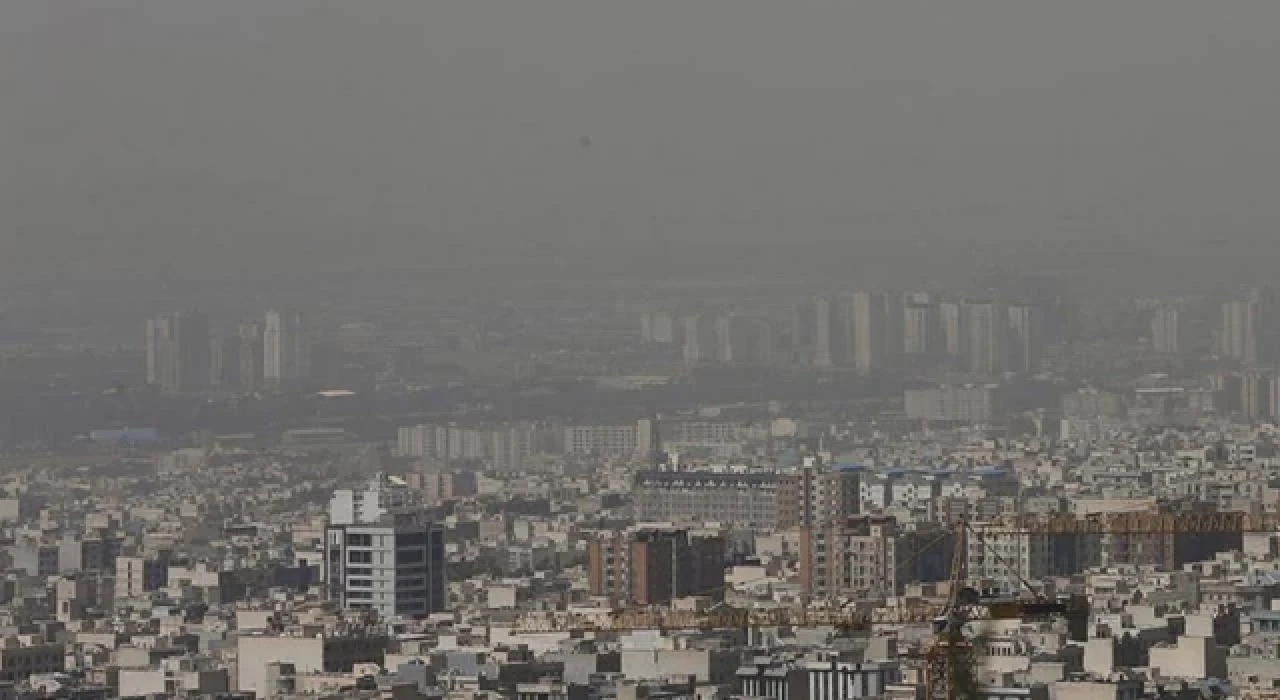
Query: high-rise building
382, 554
893, 345
658, 327
1166, 331
178, 357
653, 566
225, 361
250, 356
985, 327
285, 351
730, 341
1238, 334
1026, 338
803, 316
832, 331
951, 322
921, 332
869, 331
699, 334
743, 340
159, 354
509, 446
763, 340
1256, 399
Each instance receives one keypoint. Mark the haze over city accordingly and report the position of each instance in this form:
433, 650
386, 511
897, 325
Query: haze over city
205, 134
645, 350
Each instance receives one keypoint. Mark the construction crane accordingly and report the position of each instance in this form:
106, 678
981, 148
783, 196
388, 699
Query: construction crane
949, 662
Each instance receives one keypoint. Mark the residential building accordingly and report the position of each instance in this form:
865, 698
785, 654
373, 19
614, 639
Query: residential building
384, 555
832, 331
1026, 338
922, 333
650, 566
967, 405
1167, 331
178, 356
872, 556
952, 326
251, 356
814, 494
870, 331
286, 354
986, 327
1239, 331
614, 440
743, 500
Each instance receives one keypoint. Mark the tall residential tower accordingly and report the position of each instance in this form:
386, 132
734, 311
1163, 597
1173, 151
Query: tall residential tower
285, 352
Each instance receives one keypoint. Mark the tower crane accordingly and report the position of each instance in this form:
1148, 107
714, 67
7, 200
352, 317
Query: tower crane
948, 662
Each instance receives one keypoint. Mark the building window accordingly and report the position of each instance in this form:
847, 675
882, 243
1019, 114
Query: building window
359, 540
360, 557
415, 539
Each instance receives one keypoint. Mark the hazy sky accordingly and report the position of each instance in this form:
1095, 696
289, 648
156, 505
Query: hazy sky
191, 128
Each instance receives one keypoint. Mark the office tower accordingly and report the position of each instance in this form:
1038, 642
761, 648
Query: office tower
1238, 333
985, 327
250, 356
178, 351
951, 324
285, 352
921, 332
1166, 331
655, 566
382, 554
1026, 338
